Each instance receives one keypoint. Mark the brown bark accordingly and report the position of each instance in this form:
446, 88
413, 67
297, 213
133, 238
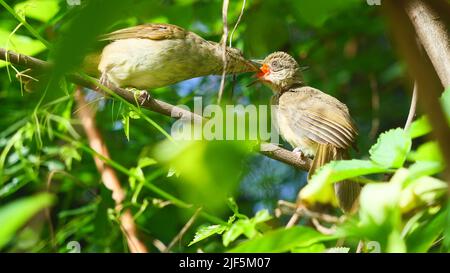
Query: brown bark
429, 87
109, 176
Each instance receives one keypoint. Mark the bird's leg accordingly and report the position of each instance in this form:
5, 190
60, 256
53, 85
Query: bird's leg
104, 80
300, 154
140, 96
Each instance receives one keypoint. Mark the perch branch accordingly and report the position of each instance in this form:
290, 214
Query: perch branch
155, 105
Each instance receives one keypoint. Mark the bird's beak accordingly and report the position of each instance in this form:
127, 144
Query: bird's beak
257, 63
263, 70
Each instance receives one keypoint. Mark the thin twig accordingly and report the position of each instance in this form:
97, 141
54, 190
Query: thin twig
238, 21
183, 230
375, 107
412, 108
224, 47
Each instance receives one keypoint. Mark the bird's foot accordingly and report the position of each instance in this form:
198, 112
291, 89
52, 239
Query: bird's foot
140, 96
300, 154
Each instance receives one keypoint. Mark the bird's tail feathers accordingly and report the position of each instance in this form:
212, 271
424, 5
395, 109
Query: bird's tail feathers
346, 191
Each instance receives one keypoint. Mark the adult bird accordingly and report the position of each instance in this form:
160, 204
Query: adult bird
155, 55
314, 123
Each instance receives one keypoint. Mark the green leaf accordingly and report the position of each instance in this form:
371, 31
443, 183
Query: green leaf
262, 216
282, 240
391, 148
205, 232
315, 248
428, 151
146, 161
423, 168
419, 127
379, 217
423, 191
425, 234
379, 202
17, 213
445, 101
19, 43
68, 153
42, 10
126, 125
241, 226
319, 190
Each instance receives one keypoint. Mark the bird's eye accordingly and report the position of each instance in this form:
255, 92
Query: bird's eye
275, 65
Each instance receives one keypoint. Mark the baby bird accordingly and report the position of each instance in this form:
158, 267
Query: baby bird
314, 123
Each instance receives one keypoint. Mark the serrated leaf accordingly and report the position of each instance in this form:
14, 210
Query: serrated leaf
205, 232
238, 228
338, 250
282, 240
391, 148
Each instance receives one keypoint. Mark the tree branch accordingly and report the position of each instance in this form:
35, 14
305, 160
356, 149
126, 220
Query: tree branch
155, 105
433, 35
429, 86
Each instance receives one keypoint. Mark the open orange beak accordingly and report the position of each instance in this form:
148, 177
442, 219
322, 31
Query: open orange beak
264, 70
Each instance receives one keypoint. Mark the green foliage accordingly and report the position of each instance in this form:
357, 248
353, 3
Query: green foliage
42, 10
238, 224
282, 240
391, 148
403, 204
17, 213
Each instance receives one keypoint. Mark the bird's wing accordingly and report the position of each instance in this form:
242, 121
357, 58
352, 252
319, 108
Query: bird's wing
318, 116
147, 31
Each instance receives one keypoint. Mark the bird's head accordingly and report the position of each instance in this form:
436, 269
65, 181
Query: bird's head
280, 71
237, 63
